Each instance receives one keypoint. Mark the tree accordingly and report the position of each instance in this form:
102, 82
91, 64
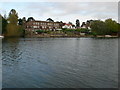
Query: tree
77, 23
3, 24
50, 20
103, 28
98, 27
30, 19
24, 20
20, 21
88, 24
12, 26
83, 24
112, 26
70, 23
118, 29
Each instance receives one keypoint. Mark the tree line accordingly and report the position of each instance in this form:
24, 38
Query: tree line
107, 27
14, 26
99, 27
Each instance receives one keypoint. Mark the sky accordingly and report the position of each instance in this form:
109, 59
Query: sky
63, 11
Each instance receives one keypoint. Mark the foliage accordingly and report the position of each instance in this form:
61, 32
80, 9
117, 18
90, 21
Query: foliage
77, 23
68, 30
50, 20
103, 28
82, 30
93, 33
4, 24
112, 26
13, 28
21, 30
70, 23
20, 22
83, 24
98, 27
78, 30
41, 31
30, 19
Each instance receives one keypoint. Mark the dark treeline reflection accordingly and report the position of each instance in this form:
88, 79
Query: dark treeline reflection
10, 50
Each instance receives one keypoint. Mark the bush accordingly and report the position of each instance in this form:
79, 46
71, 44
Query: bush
84, 30
93, 33
68, 30
41, 31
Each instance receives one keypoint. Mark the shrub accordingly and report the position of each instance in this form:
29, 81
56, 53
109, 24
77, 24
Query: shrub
41, 31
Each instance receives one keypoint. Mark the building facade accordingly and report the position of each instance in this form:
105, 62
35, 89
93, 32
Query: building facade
43, 25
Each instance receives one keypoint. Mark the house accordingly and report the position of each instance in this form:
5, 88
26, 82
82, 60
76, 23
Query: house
42, 25
83, 25
86, 25
68, 26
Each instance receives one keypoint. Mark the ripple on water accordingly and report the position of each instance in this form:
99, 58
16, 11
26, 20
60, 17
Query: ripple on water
60, 62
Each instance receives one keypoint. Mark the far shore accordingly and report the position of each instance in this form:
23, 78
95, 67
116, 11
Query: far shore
70, 36
62, 36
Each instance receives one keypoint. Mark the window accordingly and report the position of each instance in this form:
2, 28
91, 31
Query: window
34, 26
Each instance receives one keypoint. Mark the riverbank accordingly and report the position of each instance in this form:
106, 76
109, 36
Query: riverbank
44, 35
65, 35
57, 36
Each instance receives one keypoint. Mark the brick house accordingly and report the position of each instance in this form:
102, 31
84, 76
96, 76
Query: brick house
43, 25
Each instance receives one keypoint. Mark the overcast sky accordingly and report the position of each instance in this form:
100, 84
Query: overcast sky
63, 11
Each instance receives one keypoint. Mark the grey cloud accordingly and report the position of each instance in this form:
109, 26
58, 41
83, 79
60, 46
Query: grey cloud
71, 10
98, 9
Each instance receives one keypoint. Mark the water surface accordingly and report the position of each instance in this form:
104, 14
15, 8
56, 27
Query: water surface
60, 63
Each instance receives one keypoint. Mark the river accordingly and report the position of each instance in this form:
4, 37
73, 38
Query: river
60, 63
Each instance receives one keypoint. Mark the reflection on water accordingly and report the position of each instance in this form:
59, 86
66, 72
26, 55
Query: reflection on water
11, 51
60, 62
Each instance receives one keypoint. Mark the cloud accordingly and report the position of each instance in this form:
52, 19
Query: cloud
66, 11
59, 1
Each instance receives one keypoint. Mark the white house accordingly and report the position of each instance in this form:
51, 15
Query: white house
69, 26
